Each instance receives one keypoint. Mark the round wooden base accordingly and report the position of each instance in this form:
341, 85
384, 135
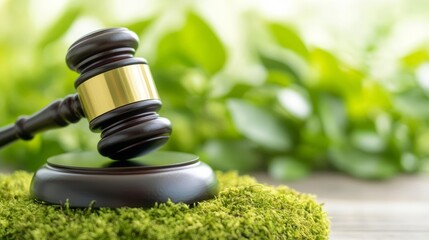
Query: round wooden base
87, 179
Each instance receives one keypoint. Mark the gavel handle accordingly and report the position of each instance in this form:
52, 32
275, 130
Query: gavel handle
60, 113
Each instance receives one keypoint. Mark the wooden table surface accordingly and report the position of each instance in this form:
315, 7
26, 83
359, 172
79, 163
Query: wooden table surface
359, 209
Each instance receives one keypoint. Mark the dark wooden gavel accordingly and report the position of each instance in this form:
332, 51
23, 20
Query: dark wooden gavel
115, 92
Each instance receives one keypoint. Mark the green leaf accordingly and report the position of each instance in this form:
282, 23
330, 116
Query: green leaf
170, 56
185, 136
140, 26
412, 104
231, 155
274, 64
368, 141
286, 37
202, 44
195, 45
60, 27
260, 125
295, 102
279, 78
287, 168
333, 116
239, 90
331, 74
415, 58
363, 165
264, 95
326, 67
409, 162
422, 142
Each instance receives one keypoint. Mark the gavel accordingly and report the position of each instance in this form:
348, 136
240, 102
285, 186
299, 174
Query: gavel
115, 92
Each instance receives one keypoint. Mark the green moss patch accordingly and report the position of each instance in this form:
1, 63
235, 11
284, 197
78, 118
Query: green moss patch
243, 209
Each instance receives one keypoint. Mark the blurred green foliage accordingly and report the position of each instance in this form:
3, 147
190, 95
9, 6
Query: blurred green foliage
309, 110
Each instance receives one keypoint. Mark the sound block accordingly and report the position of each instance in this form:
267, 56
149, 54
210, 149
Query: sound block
86, 179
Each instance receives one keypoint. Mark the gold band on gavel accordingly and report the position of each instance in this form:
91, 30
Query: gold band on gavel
115, 88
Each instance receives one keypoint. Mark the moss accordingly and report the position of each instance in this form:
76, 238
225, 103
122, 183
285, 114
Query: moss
243, 209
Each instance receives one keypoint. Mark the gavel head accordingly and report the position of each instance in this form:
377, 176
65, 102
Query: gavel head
117, 93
